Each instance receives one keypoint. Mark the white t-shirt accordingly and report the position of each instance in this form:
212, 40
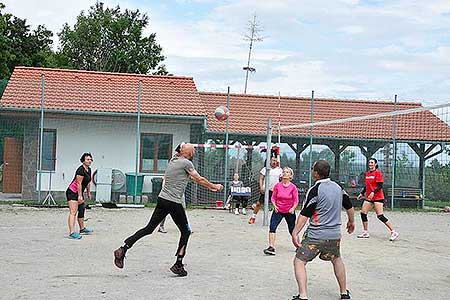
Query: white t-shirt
274, 176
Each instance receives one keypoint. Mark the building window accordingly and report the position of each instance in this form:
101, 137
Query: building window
49, 150
156, 150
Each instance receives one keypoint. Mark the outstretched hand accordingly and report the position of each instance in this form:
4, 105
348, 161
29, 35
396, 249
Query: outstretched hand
216, 187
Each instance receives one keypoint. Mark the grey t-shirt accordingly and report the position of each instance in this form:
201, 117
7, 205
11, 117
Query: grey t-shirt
324, 202
176, 179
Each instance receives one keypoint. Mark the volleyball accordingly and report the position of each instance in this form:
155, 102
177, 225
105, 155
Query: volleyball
222, 113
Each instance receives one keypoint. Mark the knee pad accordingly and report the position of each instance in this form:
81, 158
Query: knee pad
364, 217
382, 218
81, 209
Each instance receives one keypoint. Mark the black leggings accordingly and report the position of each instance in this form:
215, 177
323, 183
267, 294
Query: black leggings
276, 219
240, 200
163, 208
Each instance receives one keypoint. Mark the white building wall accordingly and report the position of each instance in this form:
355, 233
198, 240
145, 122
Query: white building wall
112, 144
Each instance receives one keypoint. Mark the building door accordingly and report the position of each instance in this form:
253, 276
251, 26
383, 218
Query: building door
12, 165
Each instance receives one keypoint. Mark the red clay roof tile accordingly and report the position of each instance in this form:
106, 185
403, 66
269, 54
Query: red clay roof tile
102, 92
249, 115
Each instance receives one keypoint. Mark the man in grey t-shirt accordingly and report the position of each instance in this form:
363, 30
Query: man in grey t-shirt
179, 170
323, 205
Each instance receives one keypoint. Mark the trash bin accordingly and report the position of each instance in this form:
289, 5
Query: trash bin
156, 187
131, 179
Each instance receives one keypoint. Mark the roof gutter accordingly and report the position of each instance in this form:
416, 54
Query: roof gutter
105, 114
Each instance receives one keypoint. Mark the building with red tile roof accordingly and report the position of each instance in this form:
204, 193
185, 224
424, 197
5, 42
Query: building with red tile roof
97, 112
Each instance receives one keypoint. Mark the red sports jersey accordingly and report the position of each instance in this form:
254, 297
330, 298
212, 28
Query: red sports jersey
371, 180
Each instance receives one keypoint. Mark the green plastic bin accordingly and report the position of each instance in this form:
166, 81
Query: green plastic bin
131, 190
156, 187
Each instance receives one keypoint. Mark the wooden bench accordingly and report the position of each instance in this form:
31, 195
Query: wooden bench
404, 197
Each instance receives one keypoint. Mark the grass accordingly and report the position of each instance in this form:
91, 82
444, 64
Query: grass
439, 204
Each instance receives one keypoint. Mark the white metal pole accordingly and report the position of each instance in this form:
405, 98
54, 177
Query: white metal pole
41, 137
266, 177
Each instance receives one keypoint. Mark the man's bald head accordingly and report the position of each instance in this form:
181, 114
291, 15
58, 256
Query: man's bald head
187, 151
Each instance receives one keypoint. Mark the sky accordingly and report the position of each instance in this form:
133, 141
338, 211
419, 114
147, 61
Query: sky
345, 49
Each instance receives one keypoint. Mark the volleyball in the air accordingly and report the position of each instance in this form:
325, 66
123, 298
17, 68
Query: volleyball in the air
222, 113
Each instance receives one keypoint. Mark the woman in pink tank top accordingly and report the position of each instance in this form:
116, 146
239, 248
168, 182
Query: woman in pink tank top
74, 194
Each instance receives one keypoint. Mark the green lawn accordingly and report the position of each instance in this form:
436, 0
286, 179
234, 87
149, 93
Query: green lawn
439, 204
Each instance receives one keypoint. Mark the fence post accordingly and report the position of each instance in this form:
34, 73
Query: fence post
394, 145
138, 141
41, 137
266, 178
225, 179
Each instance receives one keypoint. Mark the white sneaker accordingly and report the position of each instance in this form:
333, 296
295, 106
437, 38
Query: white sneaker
364, 234
236, 211
244, 212
394, 235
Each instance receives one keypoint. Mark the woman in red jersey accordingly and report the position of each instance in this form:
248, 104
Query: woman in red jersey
374, 198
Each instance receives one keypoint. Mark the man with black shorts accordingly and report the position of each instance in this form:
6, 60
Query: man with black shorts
324, 202
178, 172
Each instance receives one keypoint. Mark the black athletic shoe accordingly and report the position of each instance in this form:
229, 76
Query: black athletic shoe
269, 251
346, 295
297, 297
119, 255
178, 270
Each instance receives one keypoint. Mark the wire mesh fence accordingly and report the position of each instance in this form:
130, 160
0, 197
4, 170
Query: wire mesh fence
132, 124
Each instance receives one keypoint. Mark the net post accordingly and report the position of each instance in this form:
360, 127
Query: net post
225, 175
138, 140
311, 137
41, 137
266, 177
394, 145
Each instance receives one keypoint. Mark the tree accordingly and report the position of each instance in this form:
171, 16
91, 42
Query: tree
437, 181
19, 46
109, 40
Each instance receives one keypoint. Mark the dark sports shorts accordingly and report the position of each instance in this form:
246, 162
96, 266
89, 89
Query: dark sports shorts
71, 196
375, 201
310, 248
261, 197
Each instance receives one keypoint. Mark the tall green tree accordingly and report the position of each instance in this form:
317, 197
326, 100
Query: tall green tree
107, 39
21, 46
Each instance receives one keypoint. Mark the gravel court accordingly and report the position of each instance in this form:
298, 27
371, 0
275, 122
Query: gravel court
224, 258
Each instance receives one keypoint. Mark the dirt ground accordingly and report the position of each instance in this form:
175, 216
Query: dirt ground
224, 259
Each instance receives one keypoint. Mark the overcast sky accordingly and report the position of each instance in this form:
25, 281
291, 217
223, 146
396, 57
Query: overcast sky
351, 49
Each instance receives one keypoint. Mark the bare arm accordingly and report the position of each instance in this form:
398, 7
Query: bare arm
203, 181
275, 198
301, 221
88, 191
351, 220
295, 196
261, 183
348, 205
80, 192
